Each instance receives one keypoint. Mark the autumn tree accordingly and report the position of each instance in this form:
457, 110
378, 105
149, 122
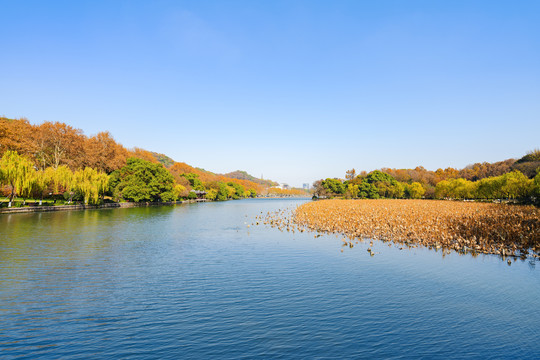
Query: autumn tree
415, 190
484, 170
59, 144
17, 135
143, 154
352, 191
319, 190
180, 191
104, 153
529, 164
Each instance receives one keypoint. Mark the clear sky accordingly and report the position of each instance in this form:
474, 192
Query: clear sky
294, 90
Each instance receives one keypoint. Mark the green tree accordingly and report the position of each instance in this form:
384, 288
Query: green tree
222, 193
387, 186
194, 181
367, 190
211, 194
334, 186
141, 180
536, 184
378, 176
238, 190
169, 196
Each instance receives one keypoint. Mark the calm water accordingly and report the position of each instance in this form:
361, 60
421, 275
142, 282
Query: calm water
193, 281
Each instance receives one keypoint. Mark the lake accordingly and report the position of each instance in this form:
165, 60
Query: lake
194, 281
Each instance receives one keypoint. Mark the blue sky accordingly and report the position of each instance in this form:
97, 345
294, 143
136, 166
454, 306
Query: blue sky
294, 90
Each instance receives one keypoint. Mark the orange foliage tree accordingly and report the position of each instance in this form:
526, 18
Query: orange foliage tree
59, 144
17, 135
105, 154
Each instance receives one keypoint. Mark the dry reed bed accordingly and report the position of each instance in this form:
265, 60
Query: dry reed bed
506, 230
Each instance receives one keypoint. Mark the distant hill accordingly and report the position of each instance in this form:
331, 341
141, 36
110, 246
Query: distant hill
208, 175
528, 164
163, 159
242, 175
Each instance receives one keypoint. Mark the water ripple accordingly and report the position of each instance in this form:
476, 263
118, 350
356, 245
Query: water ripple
195, 282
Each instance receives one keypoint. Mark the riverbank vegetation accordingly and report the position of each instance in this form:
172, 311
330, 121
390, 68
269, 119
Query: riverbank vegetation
502, 180
59, 164
446, 225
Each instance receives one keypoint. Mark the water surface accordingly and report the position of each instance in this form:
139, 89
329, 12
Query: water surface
194, 281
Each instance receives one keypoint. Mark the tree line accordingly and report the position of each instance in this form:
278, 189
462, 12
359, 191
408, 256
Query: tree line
138, 181
469, 183
53, 160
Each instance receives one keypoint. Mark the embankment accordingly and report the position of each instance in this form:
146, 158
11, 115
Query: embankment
31, 209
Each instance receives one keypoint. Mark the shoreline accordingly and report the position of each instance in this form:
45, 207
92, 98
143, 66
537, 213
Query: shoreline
32, 209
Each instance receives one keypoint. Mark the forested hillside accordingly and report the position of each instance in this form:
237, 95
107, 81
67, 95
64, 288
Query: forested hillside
53, 158
242, 175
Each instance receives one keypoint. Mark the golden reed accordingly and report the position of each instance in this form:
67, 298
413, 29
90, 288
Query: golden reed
507, 230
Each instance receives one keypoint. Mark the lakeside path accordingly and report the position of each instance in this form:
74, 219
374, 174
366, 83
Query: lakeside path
32, 209
506, 230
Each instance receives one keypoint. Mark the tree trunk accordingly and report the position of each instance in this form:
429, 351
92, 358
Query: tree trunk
11, 196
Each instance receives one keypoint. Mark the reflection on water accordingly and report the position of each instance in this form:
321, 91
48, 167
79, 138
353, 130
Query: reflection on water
196, 281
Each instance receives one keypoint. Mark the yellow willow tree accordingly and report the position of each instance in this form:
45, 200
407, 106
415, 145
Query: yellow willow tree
61, 178
90, 183
43, 178
18, 172
102, 181
179, 191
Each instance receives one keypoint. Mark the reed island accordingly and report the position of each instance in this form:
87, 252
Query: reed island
488, 228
